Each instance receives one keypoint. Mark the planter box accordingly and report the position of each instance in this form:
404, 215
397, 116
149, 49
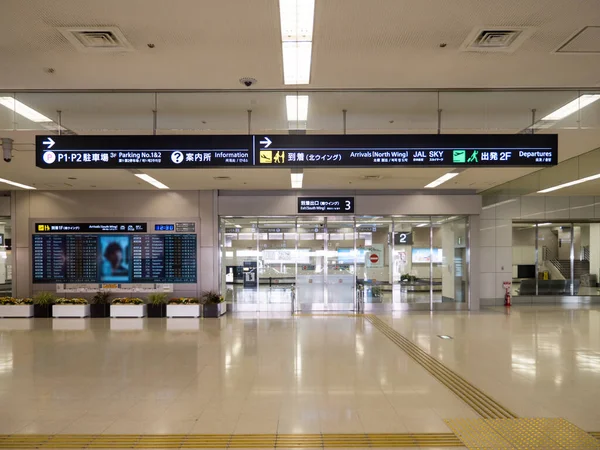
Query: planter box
99, 310
70, 310
42, 311
215, 309
183, 310
157, 310
128, 310
16, 310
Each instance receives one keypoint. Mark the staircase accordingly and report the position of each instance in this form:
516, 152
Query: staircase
563, 266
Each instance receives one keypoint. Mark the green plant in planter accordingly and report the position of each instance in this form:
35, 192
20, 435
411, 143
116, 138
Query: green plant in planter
128, 301
101, 298
15, 301
44, 298
184, 301
70, 301
376, 291
211, 297
157, 298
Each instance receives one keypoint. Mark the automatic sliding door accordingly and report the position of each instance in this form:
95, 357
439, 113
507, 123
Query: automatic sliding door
276, 262
340, 275
310, 278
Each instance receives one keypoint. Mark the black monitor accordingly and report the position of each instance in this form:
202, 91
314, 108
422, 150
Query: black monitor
526, 271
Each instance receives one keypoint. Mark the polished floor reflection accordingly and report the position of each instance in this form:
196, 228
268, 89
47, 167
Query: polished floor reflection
279, 374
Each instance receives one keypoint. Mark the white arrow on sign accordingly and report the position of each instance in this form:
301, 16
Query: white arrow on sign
49, 142
266, 142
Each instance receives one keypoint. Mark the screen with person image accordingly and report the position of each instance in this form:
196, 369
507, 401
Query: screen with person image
115, 259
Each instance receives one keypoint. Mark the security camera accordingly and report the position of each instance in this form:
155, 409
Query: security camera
248, 82
7, 145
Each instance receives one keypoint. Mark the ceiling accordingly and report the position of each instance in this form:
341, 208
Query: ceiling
368, 45
210, 44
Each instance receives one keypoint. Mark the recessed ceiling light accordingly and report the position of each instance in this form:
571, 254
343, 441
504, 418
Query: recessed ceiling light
297, 107
297, 21
13, 183
572, 107
23, 110
296, 176
569, 184
445, 336
154, 182
442, 180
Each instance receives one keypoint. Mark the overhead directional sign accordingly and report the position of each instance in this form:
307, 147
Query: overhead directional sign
147, 152
408, 150
325, 204
272, 151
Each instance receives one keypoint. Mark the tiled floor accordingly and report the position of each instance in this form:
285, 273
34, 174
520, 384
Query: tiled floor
538, 361
278, 374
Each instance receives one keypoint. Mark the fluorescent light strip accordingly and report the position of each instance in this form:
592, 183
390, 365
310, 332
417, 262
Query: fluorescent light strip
154, 182
297, 22
23, 110
297, 19
493, 205
13, 183
441, 180
297, 107
570, 183
544, 224
297, 180
296, 62
572, 107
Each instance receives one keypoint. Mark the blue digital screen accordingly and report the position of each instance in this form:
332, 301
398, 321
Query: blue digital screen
132, 258
164, 227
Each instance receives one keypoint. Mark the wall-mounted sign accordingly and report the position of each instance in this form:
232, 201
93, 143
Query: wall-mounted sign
232, 230
403, 238
138, 227
308, 150
164, 227
185, 227
326, 205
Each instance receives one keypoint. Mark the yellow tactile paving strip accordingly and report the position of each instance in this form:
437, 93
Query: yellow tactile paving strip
481, 403
218, 441
542, 434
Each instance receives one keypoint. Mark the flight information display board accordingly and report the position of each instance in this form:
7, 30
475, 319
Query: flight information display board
222, 151
80, 258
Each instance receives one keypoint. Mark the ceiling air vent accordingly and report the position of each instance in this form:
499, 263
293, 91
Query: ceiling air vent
221, 178
371, 177
96, 39
496, 39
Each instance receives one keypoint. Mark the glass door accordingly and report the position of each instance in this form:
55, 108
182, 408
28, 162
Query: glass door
340, 284
276, 262
415, 273
310, 259
373, 261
